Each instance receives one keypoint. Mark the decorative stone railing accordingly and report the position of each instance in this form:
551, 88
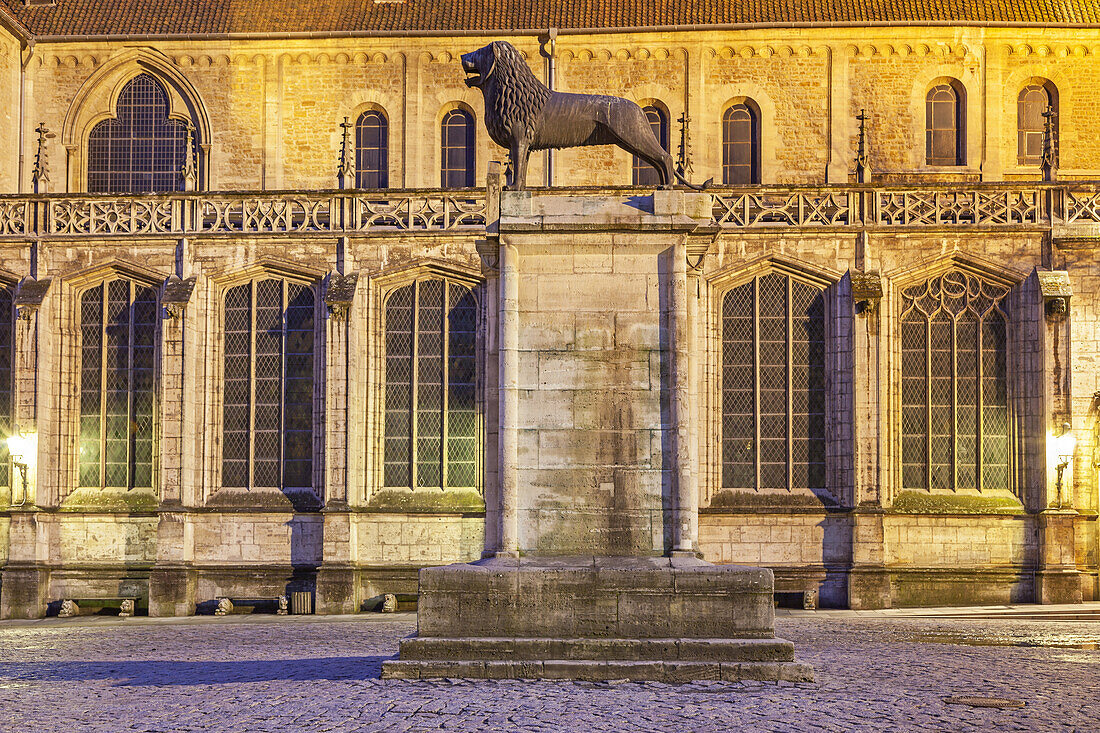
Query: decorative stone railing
1064, 205
258, 213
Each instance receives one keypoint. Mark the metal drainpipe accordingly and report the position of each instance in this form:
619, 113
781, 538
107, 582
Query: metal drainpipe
23, 111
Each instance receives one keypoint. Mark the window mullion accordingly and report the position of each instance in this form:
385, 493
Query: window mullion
283, 382
444, 392
414, 381
790, 370
756, 376
954, 462
928, 402
130, 390
252, 384
103, 384
979, 453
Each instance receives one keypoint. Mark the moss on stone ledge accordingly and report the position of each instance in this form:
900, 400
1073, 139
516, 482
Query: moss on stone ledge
427, 500
919, 502
108, 500
728, 499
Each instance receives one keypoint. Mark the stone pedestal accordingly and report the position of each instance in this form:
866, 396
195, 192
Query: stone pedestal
591, 572
596, 618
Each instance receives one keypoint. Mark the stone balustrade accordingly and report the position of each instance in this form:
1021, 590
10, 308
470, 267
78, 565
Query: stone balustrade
436, 210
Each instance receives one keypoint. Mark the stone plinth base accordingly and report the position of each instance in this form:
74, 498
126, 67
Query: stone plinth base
596, 618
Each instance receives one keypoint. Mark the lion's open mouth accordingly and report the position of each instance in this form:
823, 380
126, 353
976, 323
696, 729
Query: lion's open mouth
473, 76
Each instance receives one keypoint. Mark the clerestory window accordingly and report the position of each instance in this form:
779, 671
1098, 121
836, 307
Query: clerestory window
269, 377
140, 150
372, 140
954, 384
741, 144
1033, 101
644, 174
118, 329
458, 160
430, 389
945, 125
773, 385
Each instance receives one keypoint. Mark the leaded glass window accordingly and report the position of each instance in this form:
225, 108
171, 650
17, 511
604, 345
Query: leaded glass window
458, 161
773, 385
430, 390
1030, 123
372, 133
267, 412
740, 145
118, 325
643, 173
944, 126
7, 357
954, 384
140, 150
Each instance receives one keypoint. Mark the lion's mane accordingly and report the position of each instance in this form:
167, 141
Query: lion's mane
517, 96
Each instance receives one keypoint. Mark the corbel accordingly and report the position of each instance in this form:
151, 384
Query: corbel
866, 291
176, 295
340, 294
29, 296
697, 250
1056, 290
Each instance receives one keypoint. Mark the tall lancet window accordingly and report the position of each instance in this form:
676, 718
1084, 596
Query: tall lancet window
430, 391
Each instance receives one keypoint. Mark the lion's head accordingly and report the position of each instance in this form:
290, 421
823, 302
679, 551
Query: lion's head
512, 93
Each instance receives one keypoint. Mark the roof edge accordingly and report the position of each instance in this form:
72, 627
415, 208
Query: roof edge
20, 31
431, 33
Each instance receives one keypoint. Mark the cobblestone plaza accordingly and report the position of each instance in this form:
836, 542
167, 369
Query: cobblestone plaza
874, 672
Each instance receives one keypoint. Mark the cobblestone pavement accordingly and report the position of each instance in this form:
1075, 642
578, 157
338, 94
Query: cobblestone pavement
322, 675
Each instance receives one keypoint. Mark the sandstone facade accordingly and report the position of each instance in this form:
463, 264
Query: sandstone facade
267, 114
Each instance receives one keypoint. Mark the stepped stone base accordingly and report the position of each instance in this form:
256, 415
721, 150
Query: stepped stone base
596, 618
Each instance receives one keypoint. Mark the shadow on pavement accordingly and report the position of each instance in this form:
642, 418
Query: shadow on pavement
167, 672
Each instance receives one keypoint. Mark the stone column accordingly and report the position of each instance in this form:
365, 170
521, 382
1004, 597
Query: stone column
25, 580
508, 475
679, 332
337, 590
172, 581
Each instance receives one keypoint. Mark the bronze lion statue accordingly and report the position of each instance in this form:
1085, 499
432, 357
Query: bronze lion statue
521, 114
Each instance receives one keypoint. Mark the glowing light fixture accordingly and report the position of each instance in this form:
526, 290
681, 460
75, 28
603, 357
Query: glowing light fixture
1064, 445
23, 450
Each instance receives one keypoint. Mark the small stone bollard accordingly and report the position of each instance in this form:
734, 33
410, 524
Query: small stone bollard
282, 606
126, 609
68, 609
389, 603
809, 600
225, 607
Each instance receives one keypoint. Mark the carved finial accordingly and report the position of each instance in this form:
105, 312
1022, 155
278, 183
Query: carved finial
345, 172
683, 155
863, 168
1049, 161
40, 176
190, 170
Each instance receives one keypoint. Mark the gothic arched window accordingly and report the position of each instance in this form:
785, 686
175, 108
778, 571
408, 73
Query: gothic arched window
954, 384
643, 173
269, 385
741, 145
430, 392
945, 125
1030, 123
773, 385
372, 140
140, 150
118, 326
458, 161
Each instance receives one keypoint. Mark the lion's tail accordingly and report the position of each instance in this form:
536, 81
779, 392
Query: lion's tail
693, 186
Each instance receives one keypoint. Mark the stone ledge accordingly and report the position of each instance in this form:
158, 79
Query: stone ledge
597, 671
690, 650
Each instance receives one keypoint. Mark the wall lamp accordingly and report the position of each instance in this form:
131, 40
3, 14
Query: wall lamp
1064, 445
23, 450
